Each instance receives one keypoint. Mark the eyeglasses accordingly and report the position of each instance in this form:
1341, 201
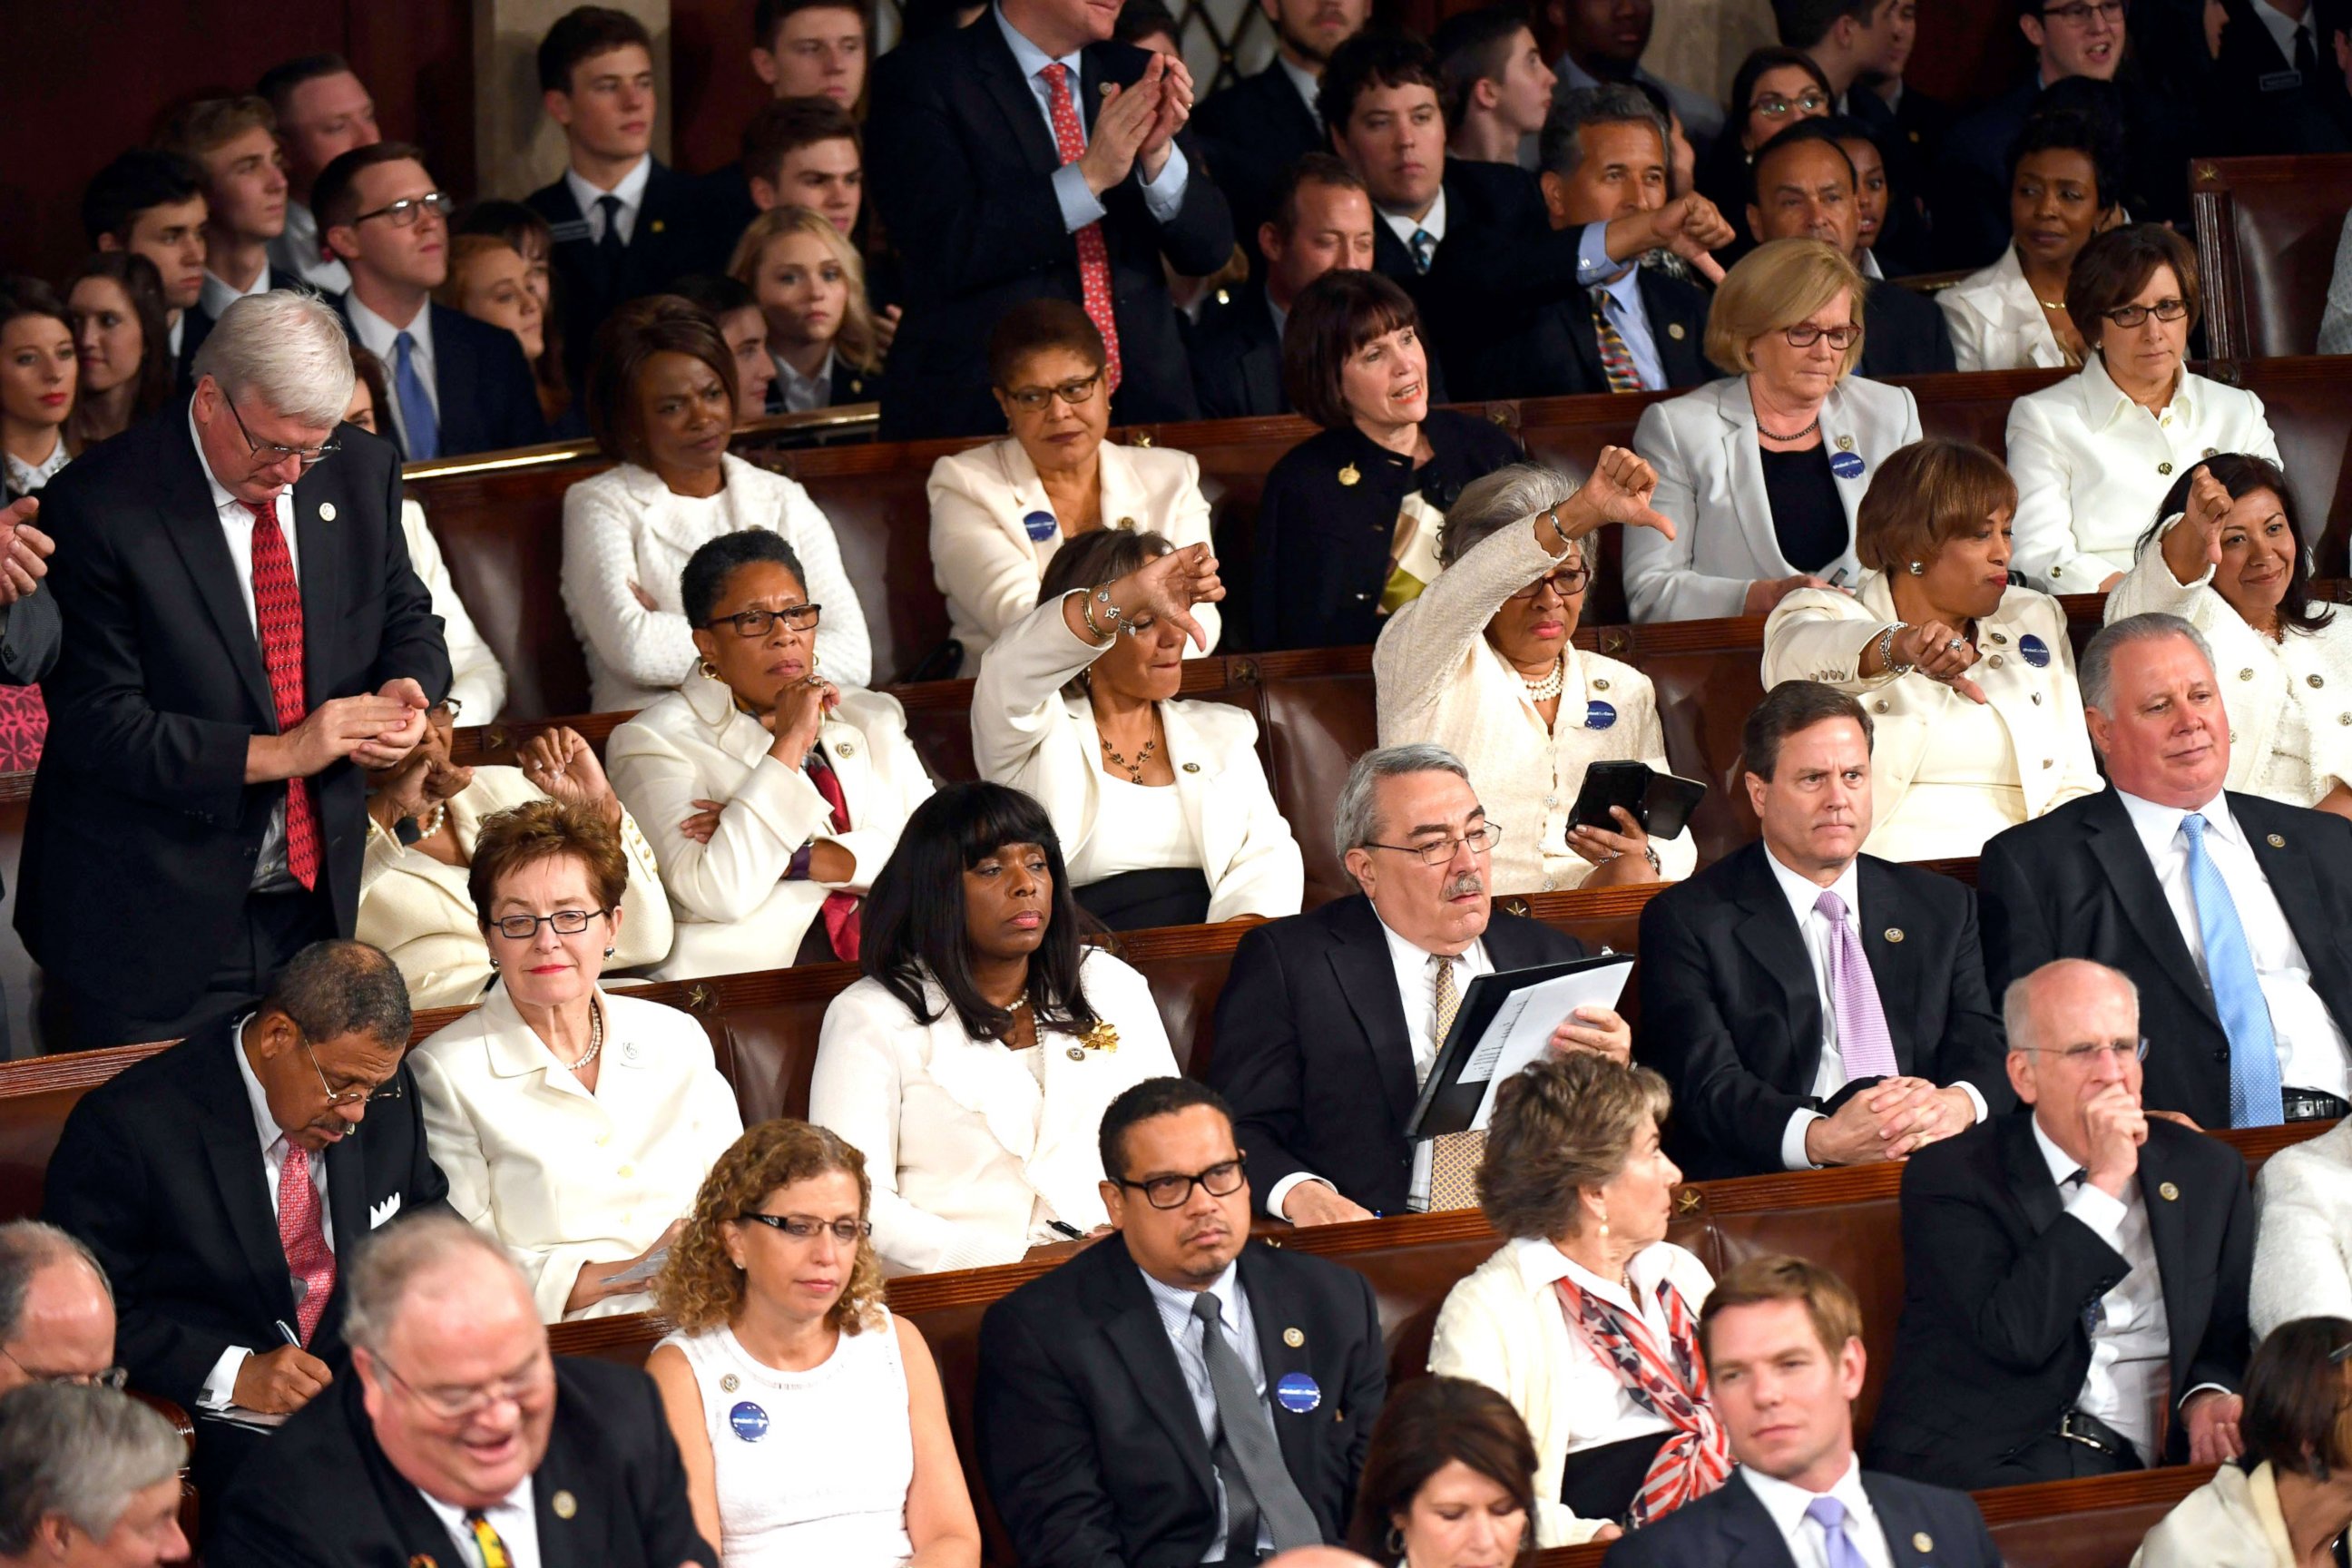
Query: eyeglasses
1805, 335
312, 456
805, 1227
2079, 15
522, 928
2130, 316
373, 1094
1438, 851
2081, 1056
1221, 1180
760, 623
1773, 106
405, 212
461, 1404
1032, 398
1568, 582
114, 1377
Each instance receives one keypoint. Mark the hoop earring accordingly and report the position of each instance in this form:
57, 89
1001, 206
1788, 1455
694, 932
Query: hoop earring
1396, 1541
708, 670
1918, 569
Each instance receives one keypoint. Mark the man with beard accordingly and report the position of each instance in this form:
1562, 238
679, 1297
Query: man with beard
1259, 126
1331, 1021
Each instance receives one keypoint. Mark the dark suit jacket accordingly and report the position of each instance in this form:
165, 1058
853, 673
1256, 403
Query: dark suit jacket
1731, 1016
1088, 1434
2078, 884
1236, 358
160, 1171
680, 230
1254, 131
195, 328
160, 685
961, 165
1731, 1527
328, 1493
1903, 333
488, 398
1559, 354
1909, 137
2256, 103
1313, 1053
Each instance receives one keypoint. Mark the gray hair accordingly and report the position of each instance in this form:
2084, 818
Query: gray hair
2095, 672
2017, 1001
338, 987
379, 1283
288, 348
1562, 146
27, 1247
1351, 819
1506, 497
80, 1451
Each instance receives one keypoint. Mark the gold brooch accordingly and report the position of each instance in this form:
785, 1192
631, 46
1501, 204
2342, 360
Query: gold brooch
1103, 1037
1348, 476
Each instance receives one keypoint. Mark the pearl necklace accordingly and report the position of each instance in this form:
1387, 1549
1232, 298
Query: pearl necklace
427, 827
1551, 685
595, 1038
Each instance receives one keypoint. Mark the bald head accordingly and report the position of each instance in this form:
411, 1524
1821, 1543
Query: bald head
2073, 1033
56, 1313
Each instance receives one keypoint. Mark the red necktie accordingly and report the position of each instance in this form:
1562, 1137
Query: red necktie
840, 911
1094, 256
278, 609
304, 1237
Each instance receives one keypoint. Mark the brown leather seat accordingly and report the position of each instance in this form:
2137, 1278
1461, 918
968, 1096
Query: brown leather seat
1314, 726
2266, 235
502, 532
2303, 400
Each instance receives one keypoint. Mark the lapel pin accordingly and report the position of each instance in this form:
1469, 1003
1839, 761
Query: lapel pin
1294, 1338
1601, 684
1348, 476
1846, 442
2168, 1193
1191, 767
657, 226
2277, 841
1923, 1542
1077, 1053
1675, 331
1894, 933
564, 1504
629, 1052
325, 512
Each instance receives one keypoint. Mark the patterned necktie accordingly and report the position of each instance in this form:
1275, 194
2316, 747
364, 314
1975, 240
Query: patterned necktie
840, 910
1094, 256
487, 1542
277, 610
2237, 993
1424, 249
418, 423
1863, 1043
1259, 1485
1616, 359
303, 1235
1838, 1548
1454, 1157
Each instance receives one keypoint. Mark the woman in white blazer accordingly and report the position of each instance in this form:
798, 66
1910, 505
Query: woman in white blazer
730, 771
2226, 555
2303, 1240
2065, 185
973, 1065
573, 1126
2094, 454
1482, 663
425, 819
1162, 806
999, 512
1761, 473
1574, 1175
1975, 717
661, 399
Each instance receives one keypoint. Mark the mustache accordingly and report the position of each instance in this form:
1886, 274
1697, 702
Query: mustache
1467, 883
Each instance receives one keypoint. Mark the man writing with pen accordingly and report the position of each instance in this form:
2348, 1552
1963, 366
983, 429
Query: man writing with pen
222, 1181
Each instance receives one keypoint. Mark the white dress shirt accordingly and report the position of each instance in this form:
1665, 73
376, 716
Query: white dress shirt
2312, 1050
1186, 1333
27, 478
631, 190
801, 394
2282, 29
1807, 1539
514, 1518
218, 296
380, 338
1309, 85
2131, 1339
1431, 223
1163, 197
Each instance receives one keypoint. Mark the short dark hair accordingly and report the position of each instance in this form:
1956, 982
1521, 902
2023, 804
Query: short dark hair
627, 339
1829, 1301
1804, 23
1139, 19
581, 34
2241, 474
1035, 325
1373, 59
717, 293
332, 194
1758, 61
340, 988
2098, 137
278, 82
1333, 317
1472, 47
2118, 264
1141, 1102
1099, 556
1317, 168
22, 296
1426, 1425
2298, 1398
1798, 135
143, 178
702, 581
1560, 148
785, 125
770, 14
1789, 708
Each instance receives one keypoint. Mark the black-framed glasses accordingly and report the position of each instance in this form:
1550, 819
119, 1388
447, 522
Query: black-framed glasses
2130, 316
1074, 393
114, 1377
808, 1227
2079, 15
1566, 582
373, 1094
1438, 851
2077, 1056
311, 456
1221, 1180
404, 212
760, 623
1804, 335
460, 1403
1773, 106
522, 928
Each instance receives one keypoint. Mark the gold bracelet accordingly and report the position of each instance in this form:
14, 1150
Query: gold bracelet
1087, 614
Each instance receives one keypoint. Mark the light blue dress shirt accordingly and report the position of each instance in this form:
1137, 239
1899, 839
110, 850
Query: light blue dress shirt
1185, 1331
1163, 197
1626, 312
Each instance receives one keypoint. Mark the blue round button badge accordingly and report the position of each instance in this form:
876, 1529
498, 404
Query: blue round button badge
2035, 651
1298, 1393
751, 1422
1599, 715
1042, 526
1845, 465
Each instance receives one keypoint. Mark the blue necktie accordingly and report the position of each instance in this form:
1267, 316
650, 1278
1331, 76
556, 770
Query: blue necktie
416, 421
1424, 249
1838, 1548
2237, 994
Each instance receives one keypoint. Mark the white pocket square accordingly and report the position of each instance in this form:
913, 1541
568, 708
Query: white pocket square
379, 1213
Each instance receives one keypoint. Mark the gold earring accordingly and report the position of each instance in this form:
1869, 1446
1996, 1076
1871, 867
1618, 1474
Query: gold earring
708, 670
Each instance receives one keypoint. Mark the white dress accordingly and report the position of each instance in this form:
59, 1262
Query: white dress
811, 1467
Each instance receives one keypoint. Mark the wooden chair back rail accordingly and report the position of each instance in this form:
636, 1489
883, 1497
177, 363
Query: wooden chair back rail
2266, 236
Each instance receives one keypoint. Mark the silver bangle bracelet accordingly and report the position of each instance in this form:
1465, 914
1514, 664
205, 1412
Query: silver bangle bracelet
1886, 665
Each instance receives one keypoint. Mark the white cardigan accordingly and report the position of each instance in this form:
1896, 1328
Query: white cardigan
983, 559
1502, 1328
560, 1177
475, 679
2234, 1521
2260, 679
736, 909
2302, 1238
2092, 466
1440, 679
1026, 733
625, 527
1821, 635
960, 1138
1997, 323
418, 910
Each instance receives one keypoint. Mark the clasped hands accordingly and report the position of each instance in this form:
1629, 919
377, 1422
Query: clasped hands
1136, 125
1892, 1120
24, 551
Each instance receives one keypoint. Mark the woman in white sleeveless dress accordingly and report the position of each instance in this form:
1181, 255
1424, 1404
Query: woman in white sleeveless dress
811, 1421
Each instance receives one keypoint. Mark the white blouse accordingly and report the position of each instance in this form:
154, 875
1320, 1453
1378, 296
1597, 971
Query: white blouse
1997, 322
1137, 827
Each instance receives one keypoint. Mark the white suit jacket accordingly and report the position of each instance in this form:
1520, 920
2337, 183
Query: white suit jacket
981, 555
1711, 483
2092, 466
475, 679
2302, 1238
2234, 1521
960, 1138
1996, 323
1816, 634
560, 1177
1026, 733
625, 526
418, 911
736, 911
1440, 679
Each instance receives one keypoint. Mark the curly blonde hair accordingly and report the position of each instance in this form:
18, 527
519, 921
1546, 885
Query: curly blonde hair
701, 1287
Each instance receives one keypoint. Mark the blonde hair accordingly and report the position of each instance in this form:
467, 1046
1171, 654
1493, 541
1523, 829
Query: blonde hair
464, 250
856, 341
701, 1287
1775, 286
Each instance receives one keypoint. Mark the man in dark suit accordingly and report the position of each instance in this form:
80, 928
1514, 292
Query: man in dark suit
1175, 1394
245, 633
459, 385
1331, 1021
2276, 86
1782, 1338
226, 1183
1005, 173
1322, 220
2069, 1269
2231, 912
1776, 1064
455, 1408
1256, 129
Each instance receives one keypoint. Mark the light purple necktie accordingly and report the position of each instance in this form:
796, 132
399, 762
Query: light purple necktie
1863, 1041
1839, 1549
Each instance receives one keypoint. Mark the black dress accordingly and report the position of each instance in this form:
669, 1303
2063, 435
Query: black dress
1808, 518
